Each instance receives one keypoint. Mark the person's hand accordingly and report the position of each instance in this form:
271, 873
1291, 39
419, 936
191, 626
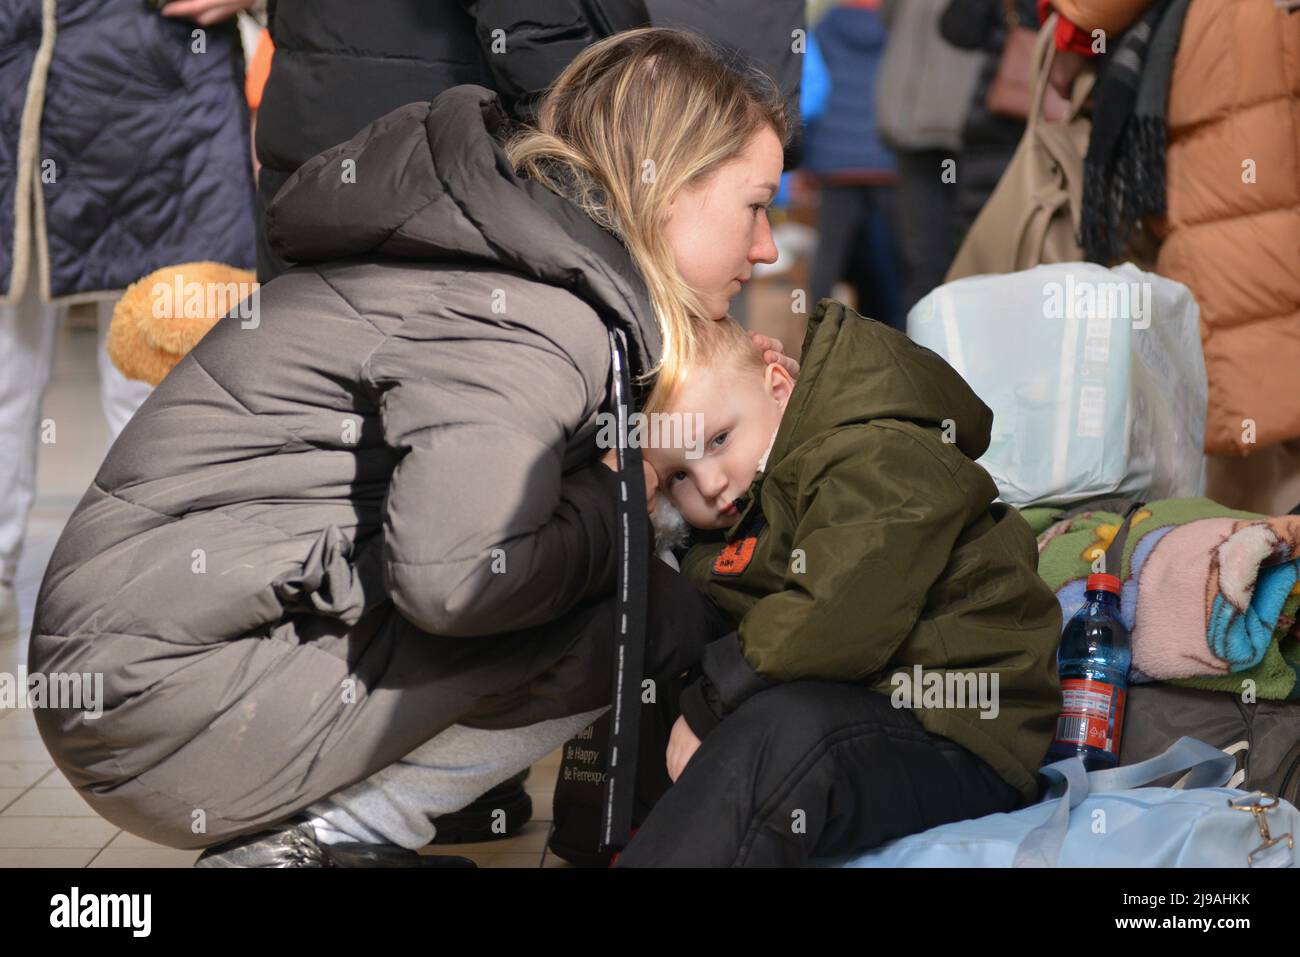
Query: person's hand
1066, 66
610, 461
205, 12
774, 351
682, 745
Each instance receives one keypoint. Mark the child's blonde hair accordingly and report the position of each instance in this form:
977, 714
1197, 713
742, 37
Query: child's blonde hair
721, 346
627, 125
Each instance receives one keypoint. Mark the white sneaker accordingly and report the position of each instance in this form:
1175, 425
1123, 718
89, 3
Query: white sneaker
8, 613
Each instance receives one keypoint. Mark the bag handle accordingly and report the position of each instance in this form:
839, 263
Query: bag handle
1127, 508
1041, 847
632, 547
1044, 55
1115, 552
1206, 766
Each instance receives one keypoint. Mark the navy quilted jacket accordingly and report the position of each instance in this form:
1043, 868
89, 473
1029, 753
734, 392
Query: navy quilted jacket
132, 139
844, 138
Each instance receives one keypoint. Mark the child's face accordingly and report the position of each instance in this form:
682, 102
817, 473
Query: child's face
741, 410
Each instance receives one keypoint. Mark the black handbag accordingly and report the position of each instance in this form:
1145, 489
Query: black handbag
580, 785
1263, 736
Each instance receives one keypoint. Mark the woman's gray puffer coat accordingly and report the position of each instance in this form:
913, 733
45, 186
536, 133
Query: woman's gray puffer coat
370, 512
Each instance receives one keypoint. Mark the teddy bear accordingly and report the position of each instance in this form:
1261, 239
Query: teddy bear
163, 315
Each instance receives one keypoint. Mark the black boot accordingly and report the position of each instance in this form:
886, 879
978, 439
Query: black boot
294, 844
472, 824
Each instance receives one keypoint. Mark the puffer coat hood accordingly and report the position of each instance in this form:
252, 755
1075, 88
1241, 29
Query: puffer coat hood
430, 182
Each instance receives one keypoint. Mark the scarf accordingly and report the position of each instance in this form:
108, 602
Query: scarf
1124, 169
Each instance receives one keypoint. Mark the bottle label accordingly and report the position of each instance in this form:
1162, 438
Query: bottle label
1092, 715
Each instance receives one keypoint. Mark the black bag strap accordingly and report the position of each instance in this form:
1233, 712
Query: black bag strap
632, 552
1127, 507
1115, 503
579, 795
1115, 552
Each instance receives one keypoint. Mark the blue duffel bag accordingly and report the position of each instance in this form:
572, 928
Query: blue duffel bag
1109, 819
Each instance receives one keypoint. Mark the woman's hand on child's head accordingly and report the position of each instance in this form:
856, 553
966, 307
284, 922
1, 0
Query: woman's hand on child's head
610, 461
682, 745
774, 352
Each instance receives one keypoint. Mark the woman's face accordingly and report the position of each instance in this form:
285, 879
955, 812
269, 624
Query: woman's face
718, 228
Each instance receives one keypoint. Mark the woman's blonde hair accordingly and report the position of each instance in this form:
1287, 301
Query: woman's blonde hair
721, 347
630, 122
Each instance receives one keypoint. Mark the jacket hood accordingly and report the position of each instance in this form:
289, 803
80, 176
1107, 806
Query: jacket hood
429, 181
854, 370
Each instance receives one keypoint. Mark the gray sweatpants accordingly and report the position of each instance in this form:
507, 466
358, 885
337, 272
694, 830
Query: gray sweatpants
447, 772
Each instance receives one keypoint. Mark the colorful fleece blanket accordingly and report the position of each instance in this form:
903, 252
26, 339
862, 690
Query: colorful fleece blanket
1210, 594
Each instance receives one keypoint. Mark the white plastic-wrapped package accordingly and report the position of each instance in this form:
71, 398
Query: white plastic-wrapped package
1095, 377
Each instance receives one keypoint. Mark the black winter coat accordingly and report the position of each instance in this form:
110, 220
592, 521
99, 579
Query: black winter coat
988, 140
340, 64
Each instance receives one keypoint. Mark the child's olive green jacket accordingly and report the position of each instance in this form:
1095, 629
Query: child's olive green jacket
872, 543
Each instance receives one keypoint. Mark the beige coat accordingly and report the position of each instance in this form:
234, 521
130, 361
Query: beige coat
1232, 232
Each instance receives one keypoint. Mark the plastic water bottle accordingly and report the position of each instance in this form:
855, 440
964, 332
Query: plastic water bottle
1093, 661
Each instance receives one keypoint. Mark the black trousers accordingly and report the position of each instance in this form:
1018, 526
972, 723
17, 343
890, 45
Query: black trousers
810, 769
857, 243
927, 236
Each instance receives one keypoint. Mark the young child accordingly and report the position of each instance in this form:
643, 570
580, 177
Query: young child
844, 525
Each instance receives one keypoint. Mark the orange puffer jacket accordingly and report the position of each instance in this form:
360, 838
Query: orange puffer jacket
1232, 231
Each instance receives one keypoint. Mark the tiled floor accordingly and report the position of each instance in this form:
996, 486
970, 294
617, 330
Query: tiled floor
43, 821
